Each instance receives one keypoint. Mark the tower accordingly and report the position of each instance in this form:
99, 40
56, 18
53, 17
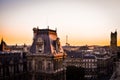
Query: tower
3, 46
46, 53
113, 42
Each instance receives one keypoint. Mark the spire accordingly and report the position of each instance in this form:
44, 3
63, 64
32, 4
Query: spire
2, 39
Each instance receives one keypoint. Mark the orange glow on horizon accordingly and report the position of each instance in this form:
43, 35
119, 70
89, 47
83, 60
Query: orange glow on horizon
24, 35
11, 39
13, 36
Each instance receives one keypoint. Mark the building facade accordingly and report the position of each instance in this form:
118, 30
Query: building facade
89, 62
85, 60
46, 54
97, 63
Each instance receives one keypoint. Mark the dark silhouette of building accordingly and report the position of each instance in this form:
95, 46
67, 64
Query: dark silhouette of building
75, 73
12, 65
3, 46
113, 42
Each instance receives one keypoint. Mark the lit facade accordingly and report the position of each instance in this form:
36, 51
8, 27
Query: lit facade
46, 54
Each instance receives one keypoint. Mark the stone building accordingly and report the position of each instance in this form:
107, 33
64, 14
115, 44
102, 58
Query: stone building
46, 54
12, 65
90, 64
104, 65
85, 60
113, 42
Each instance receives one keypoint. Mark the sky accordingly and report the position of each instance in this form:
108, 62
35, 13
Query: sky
85, 22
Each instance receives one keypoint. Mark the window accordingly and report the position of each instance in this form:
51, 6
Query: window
30, 66
10, 69
86, 60
39, 65
20, 67
40, 45
48, 67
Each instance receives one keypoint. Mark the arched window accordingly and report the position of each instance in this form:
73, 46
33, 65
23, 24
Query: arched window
48, 67
39, 65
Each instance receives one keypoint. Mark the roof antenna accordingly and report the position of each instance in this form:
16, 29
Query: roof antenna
56, 29
48, 27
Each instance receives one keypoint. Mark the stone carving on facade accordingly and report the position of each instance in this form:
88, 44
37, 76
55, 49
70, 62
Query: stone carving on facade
40, 45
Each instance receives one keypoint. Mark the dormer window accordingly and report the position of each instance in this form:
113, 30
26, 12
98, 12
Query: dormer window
56, 45
39, 45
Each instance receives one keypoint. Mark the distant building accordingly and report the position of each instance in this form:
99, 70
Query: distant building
13, 48
97, 62
4, 46
105, 64
12, 65
85, 60
116, 74
113, 42
74, 58
19, 48
46, 54
89, 63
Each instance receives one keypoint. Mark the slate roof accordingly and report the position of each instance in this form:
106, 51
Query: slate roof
89, 56
6, 57
74, 54
44, 34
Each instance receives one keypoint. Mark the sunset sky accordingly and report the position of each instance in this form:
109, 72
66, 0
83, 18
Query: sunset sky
86, 22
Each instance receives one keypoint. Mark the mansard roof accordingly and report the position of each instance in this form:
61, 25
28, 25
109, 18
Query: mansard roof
46, 44
43, 31
47, 41
74, 54
45, 35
